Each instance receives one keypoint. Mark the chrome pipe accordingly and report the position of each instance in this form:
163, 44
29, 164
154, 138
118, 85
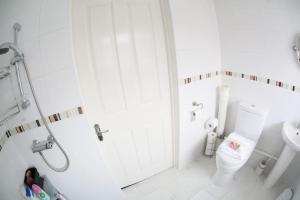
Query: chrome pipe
16, 64
25, 103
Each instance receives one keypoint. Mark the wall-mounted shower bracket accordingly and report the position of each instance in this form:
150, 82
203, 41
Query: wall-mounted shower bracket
17, 28
296, 48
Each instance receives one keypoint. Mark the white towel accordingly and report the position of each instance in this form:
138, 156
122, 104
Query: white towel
231, 152
234, 153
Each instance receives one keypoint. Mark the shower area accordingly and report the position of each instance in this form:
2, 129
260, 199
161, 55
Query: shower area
20, 101
14, 104
42, 121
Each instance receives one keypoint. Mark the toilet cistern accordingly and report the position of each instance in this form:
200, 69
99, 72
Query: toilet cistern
291, 136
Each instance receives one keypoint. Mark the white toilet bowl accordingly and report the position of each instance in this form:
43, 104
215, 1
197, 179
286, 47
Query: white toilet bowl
248, 128
228, 164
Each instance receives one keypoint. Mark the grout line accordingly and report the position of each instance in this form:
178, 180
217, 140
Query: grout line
20, 129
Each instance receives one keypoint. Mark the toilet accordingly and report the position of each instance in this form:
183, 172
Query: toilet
236, 149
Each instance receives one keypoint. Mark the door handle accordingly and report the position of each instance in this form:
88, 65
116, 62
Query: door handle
99, 132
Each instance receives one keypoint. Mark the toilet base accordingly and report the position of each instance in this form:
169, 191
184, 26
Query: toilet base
222, 179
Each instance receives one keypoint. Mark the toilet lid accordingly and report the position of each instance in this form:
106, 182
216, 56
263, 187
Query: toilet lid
235, 157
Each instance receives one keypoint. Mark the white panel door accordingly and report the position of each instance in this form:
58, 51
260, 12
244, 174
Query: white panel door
122, 67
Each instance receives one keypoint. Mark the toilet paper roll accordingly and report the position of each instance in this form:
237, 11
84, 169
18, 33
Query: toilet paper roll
211, 124
210, 144
195, 113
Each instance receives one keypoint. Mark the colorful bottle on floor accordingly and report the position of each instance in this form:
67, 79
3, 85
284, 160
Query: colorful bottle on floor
40, 193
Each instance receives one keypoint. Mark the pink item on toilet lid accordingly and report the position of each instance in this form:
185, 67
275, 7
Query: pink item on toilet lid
236, 147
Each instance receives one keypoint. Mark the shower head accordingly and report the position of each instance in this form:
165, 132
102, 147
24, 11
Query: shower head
5, 47
4, 50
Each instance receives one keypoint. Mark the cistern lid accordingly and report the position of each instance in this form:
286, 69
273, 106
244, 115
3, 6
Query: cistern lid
253, 108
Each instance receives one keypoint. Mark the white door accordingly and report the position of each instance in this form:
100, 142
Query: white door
122, 66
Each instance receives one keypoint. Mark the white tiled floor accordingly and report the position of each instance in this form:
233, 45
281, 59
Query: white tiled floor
194, 183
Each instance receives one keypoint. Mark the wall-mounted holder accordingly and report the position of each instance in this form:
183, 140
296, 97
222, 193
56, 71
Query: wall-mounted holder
296, 48
197, 108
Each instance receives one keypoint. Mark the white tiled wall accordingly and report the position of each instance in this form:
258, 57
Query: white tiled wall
46, 40
257, 38
196, 36
198, 52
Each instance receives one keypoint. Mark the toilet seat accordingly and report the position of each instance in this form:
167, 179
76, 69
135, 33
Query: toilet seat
230, 161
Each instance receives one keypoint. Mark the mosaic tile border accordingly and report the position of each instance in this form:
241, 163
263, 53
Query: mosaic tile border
38, 123
249, 77
201, 77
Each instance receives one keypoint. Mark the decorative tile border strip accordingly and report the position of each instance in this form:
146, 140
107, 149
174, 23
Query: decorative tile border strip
200, 77
260, 79
38, 123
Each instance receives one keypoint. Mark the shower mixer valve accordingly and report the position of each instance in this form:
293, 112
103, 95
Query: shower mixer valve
38, 146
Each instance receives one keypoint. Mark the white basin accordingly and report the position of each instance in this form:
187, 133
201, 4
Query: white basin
291, 136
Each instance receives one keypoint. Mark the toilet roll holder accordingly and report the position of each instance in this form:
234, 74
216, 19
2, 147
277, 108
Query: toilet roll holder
196, 104
197, 107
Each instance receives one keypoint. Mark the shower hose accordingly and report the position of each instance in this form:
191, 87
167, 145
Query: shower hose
67, 162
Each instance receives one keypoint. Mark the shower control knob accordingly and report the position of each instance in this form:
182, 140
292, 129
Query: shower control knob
99, 132
39, 146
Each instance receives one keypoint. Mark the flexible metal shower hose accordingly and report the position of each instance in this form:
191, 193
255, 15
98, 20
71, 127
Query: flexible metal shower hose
67, 164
